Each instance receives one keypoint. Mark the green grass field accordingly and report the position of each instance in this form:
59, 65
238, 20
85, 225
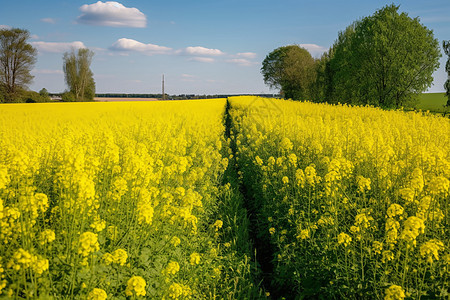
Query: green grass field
433, 102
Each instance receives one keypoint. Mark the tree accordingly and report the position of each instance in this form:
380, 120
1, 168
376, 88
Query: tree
17, 58
322, 88
385, 59
78, 75
446, 46
44, 93
290, 69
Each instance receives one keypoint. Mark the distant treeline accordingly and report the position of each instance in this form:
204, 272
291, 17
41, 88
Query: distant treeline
181, 96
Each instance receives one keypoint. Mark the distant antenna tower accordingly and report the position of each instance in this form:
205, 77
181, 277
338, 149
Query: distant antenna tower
163, 94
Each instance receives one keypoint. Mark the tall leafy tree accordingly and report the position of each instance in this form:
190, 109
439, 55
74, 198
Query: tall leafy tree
78, 75
446, 46
17, 58
385, 59
322, 88
290, 69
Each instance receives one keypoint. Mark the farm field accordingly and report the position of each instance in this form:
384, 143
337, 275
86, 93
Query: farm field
354, 201
114, 99
433, 102
117, 200
238, 198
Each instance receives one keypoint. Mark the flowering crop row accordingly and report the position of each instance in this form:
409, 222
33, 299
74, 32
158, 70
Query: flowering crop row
354, 200
115, 200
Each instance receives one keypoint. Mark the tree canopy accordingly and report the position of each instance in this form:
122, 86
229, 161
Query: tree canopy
385, 59
78, 75
446, 46
290, 69
17, 58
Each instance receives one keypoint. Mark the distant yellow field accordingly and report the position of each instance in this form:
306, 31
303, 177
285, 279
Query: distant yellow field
113, 99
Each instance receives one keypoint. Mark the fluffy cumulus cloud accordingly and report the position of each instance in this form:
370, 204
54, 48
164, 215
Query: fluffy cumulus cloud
200, 51
5, 27
125, 44
112, 14
314, 49
53, 47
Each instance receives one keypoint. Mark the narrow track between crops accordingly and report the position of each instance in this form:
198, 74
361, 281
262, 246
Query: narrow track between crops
263, 249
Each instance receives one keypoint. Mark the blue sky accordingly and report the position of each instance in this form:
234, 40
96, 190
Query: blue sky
202, 46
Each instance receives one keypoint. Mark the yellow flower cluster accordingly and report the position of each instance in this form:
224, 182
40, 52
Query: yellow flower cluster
88, 243
22, 259
114, 188
431, 250
194, 259
136, 286
119, 257
394, 292
172, 268
177, 291
97, 294
331, 176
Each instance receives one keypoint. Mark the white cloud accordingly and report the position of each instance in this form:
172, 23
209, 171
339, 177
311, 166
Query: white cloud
57, 47
195, 51
314, 49
125, 44
112, 14
249, 55
47, 72
34, 37
5, 27
242, 62
202, 59
48, 20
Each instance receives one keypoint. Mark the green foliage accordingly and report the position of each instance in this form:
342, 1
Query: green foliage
78, 75
44, 93
434, 102
322, 87
68, 97
2, 93
446, 46
32, 97
17, 58
292, 70
386, 59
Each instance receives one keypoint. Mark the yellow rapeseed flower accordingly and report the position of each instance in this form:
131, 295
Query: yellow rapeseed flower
136, 286
430, 249
88, 243
344, 238
194, 259
394, 292
97, 294
172, 268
